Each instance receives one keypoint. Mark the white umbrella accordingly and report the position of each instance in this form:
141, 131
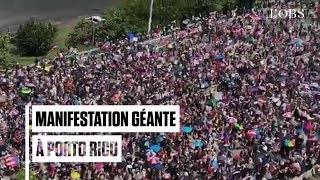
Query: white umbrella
314, 85
166, 176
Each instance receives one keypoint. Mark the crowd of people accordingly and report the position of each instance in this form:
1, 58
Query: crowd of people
247, 87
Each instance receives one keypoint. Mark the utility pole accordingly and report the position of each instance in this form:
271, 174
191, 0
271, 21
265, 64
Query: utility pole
93, 32
150, 17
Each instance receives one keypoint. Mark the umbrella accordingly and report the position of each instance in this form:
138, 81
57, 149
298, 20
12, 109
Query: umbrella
232, 120
299, 130
30, 85
314, 85
187, 129
213, 166
13, 112
221, 57
231, 54
205, 85
166, 176
147, 144
99, 165
156, 148
289, 143
153, 160
197, 143
276, 124
253, 132
3, 98
26, 91
213, 102
131, 36
288, 115
47, 68
75, 175
150, 153
238, 126
299, 42
72, 56
309, 126
160, 138
157, 166
253, 40
170, 46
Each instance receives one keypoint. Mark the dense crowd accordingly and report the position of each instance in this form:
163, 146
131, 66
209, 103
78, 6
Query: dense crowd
247, 86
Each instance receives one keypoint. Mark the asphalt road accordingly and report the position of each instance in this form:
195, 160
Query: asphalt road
14, 12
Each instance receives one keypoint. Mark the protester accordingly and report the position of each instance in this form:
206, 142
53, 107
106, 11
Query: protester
247, 87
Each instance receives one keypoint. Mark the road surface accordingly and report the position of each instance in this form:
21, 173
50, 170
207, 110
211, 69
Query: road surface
15, 12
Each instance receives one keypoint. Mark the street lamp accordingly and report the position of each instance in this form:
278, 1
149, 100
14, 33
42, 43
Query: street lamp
93, 32
150, 17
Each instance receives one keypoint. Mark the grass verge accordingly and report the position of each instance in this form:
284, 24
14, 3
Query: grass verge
60, 42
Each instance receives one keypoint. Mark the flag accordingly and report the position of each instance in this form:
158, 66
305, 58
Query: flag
12, 161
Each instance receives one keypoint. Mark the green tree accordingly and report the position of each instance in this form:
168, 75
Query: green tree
81, 33
35, 38
133, 15
4, 41
20, 175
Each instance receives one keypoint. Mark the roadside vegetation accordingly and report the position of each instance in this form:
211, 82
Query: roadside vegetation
40, 39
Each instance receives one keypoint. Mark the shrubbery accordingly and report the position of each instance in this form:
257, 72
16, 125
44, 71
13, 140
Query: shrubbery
132, 16
4, 50
35, 38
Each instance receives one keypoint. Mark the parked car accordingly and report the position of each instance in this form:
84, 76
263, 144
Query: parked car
95, 19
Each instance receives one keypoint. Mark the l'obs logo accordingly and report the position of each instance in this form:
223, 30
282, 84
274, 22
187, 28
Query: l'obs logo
286, 13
